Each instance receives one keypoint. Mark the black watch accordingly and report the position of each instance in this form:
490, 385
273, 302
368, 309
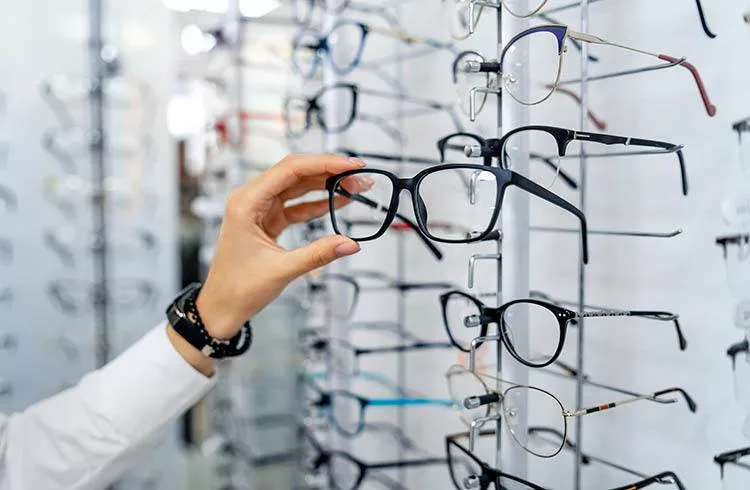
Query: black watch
184, 317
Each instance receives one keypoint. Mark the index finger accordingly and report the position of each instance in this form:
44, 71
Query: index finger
294, 168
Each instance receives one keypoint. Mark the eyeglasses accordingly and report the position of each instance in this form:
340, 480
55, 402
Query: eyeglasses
431, 191
547, 44
74, 143
346, 472
348, 287
346, 410
344, 357
67, 242
72, 193
468, 471
466, 13
548, 144
548, 435
468, 389
547, 324
343, 99
67, 96
74, 296
733, 458
344, 45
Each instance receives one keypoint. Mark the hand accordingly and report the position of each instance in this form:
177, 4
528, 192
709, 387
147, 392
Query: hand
250, 269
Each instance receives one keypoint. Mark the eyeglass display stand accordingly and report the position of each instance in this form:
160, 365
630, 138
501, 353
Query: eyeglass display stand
513, 250
98, 174
584, 107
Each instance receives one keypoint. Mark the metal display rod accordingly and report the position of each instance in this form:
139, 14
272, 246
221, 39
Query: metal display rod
585, 61
97, 74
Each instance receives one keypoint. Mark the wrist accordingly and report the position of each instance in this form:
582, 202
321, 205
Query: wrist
219, 318
203, 364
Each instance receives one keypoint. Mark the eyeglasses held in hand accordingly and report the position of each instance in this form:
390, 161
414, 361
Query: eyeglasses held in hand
547, 43
344, 45
346, 472
74, 296
468, 471
438, 193
469, 389
300, 113
733, 458
549, 436
346, 410
548, 145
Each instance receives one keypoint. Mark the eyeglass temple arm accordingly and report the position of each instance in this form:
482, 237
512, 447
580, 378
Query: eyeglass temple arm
599, 123
730, 457
664, 478
661, 316
692, 406
570, 374
408, 402
704, 22
671, 60
394, 133
372, 204
405, 348
410, 38
414, 462
539, 191
735, 349
609, 139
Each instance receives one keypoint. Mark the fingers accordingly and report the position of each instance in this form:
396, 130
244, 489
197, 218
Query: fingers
306, 211
318, 254
293, 169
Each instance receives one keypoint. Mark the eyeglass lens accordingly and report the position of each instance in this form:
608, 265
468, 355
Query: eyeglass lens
530, 82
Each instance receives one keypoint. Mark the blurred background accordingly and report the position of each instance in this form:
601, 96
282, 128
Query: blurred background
124, 126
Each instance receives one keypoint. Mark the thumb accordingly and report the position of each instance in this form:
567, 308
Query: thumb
319, 253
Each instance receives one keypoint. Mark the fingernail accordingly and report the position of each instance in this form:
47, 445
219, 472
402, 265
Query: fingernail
348, 248
365, 182
357, 161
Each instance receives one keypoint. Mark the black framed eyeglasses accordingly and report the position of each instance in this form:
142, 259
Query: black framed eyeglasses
437, 193
344, 45
469, 471
551, 436
347, 287
344, 357
335, 108
548, 145
346, 471
465, 317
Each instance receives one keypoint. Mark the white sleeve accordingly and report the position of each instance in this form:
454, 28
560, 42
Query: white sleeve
85, 437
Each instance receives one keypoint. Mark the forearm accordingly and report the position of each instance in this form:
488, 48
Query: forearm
84, 437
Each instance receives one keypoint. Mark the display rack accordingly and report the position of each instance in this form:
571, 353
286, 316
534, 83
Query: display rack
97, 74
